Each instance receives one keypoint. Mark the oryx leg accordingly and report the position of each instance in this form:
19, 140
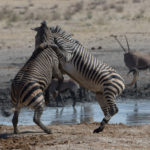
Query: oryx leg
135, 85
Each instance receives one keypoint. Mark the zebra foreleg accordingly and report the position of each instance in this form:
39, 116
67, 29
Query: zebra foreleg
15, 121
37, 115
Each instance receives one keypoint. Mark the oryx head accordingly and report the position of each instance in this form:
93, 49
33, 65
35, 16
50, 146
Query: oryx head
125, 50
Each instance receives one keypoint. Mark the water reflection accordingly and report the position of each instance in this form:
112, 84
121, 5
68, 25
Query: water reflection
131, 112
86, 114
61, 116
140, 115
69, 115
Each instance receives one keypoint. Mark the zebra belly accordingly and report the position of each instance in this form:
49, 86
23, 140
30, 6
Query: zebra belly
77, 76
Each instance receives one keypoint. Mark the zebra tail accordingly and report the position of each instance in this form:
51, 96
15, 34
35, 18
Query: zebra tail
7, 113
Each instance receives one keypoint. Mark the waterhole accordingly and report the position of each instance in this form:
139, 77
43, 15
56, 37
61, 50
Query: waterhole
131, 112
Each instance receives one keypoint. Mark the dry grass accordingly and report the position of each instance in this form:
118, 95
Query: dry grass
101, 16
136, 1
72, 10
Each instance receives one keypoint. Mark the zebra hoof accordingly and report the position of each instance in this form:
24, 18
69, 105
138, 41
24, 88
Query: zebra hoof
48, 131
100, 129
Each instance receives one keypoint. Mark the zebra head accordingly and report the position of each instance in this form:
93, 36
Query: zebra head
43, 34
44, 39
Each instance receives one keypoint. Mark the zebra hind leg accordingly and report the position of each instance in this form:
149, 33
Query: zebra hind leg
15, 121
109, 109
37, 115
112, 110
108, 112
103, 105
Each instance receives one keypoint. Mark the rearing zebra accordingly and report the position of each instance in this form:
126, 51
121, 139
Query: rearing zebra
90, 73
31, 81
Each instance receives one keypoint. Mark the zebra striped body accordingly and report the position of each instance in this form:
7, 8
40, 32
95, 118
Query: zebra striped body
90, 73
34, 78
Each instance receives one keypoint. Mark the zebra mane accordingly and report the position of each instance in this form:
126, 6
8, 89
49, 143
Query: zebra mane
60, 32
65, 42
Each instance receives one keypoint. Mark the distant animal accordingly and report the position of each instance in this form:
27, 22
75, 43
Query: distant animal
34, 77
66, 85
134, 60
85, 94
89, 72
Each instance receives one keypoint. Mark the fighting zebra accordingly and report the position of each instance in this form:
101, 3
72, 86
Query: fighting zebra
90, 73
32, 80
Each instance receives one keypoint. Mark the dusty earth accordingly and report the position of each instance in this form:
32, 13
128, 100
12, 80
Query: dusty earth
77, 137
92, 22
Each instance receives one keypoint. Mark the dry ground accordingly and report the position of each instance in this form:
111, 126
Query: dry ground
92, 22
77, 137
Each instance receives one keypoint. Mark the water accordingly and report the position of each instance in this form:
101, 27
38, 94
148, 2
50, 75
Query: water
131, 112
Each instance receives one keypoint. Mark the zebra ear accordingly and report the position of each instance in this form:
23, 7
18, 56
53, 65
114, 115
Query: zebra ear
35, 29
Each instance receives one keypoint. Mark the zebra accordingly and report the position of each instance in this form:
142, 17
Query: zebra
89, 72
32, 80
